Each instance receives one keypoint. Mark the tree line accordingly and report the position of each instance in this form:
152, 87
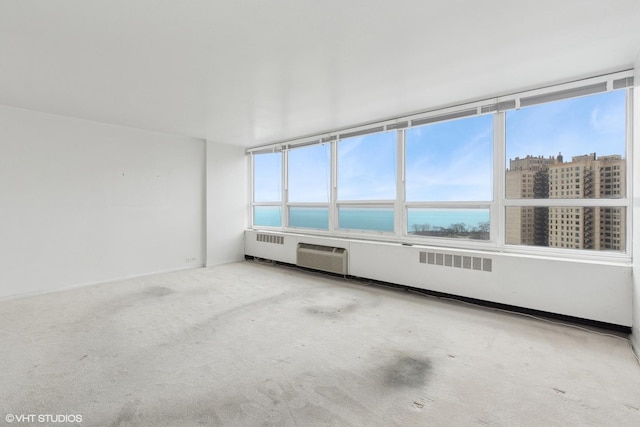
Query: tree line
458, 229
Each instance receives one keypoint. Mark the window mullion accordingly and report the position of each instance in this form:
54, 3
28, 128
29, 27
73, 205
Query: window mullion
251, 188
285, 188
498, 227
333, 210
399, 216
630, 169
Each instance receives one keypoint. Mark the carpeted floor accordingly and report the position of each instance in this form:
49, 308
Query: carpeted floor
249, 344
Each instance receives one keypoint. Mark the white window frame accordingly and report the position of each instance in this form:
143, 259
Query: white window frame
373, 204
255, 204
492, 242
288, 205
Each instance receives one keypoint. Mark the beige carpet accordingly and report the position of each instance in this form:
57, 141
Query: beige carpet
249, 344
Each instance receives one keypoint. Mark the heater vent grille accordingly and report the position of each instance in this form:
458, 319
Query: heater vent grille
456, 261
270, 238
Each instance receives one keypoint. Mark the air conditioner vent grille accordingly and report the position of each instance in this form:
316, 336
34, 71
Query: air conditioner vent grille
320, 248
325, 258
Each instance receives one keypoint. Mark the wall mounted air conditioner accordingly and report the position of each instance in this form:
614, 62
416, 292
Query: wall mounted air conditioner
324, 258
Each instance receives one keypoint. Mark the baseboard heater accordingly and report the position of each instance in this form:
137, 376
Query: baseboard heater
324, 258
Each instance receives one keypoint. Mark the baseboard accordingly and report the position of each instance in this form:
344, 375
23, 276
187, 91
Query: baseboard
84, 285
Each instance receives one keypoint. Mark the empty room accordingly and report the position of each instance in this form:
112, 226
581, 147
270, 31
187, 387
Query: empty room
336, 213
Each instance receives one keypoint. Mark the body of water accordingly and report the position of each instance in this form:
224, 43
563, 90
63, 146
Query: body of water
380, 219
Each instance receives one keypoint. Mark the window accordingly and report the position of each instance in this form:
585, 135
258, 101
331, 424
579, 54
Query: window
367, 167
366, 218
586, 133
542, 169
269, 216
450, 161
309, 217
309, 174
267, 189
456, 223
367, 172
309, 186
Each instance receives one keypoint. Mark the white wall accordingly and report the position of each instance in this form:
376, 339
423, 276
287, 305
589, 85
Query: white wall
588, 290
82, 202
635, 336
226, 203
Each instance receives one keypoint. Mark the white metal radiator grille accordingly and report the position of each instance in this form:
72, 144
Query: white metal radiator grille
270, 238
456, 261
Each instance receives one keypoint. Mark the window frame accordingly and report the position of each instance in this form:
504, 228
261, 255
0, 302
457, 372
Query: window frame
492, 242
255, 204
373, 203
623, 202
287, 205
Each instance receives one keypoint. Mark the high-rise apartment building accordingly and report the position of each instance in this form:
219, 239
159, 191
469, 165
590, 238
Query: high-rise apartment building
528, 178
577, 227
587, 177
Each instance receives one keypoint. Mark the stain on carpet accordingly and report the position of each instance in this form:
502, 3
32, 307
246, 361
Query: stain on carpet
406, 371
332, 312
158, 291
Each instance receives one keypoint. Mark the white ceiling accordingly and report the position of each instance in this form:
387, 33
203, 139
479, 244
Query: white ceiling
252, 72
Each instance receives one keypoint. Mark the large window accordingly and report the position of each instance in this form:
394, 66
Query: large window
367, 173
367, 167
567, 151
450, 162
544, 171
267, 189
309, 186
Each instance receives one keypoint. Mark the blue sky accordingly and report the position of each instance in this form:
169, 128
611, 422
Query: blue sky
310, 174
267, 179
449, 160
590, 124
367, 167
